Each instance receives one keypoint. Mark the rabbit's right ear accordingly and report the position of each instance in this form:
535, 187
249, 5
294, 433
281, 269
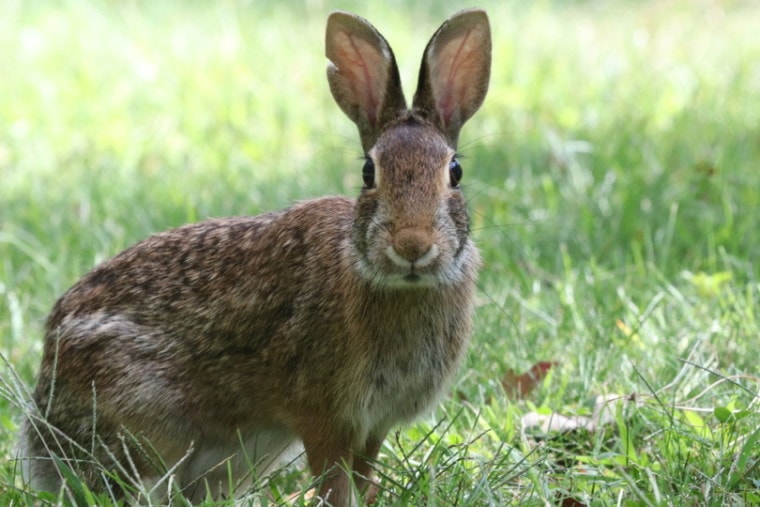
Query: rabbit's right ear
363, 76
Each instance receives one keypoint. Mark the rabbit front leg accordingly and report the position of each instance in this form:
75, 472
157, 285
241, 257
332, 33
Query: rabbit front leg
343, 465
328, 451
363, 470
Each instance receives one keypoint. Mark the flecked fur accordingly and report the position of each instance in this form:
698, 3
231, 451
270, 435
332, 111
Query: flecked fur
233, 339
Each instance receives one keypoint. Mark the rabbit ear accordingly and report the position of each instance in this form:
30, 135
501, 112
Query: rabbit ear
363, 76
455, 71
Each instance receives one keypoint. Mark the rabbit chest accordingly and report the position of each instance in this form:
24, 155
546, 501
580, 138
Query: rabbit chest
400, 386
408, 364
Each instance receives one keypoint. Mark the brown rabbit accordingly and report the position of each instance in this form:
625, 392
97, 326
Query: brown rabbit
212, 348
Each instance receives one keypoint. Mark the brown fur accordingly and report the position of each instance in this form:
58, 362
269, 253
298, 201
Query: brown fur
236, 337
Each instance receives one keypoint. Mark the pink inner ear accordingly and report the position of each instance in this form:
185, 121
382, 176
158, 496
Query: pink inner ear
454, 73
365, 71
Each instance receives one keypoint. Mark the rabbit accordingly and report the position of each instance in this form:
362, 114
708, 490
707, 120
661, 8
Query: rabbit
217, 348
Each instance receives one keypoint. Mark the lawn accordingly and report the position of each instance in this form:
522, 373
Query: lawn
613, 178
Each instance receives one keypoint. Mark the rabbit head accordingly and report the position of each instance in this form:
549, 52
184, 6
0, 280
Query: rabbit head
412, 225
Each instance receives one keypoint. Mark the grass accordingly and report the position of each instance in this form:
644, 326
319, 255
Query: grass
614, 182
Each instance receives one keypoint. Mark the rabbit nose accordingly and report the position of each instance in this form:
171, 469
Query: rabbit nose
412, 247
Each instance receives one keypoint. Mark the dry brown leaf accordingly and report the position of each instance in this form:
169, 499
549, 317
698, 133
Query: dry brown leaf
520, 386
569, 501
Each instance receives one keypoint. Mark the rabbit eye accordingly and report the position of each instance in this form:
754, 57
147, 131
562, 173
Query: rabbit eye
455, 173
368, 173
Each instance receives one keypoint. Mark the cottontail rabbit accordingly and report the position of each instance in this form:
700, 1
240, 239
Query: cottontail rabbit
211, 348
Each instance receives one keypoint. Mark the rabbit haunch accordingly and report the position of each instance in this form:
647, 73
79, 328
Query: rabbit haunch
327, 323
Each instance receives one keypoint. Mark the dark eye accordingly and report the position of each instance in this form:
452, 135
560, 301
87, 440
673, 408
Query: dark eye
368, 173
455, 173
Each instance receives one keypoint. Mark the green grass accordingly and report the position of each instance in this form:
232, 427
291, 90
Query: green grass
614, 181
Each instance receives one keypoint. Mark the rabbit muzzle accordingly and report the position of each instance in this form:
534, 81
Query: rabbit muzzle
412, 247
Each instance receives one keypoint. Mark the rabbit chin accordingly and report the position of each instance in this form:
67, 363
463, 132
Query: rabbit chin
411, 278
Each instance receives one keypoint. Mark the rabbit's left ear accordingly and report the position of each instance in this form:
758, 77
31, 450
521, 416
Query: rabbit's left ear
363, 75
456, 68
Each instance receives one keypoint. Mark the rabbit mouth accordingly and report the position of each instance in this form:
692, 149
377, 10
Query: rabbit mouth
391, 275
412, 278
413, 271
385, 267
416, 262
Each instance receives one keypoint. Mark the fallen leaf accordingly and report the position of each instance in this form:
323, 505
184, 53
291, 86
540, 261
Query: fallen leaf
569, 501
520, 386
